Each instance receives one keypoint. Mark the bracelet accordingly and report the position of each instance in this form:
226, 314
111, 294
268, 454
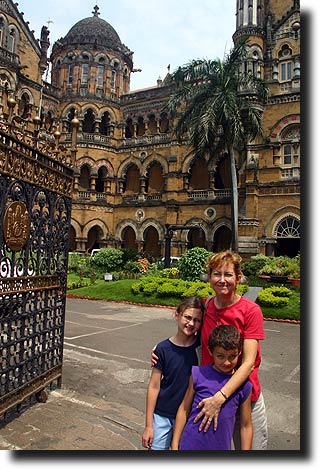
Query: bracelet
223, 394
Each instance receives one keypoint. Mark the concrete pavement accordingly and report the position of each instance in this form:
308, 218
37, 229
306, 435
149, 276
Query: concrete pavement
105, 375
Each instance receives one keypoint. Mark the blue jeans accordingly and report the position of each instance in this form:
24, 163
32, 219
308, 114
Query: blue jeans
163, 432
259, 419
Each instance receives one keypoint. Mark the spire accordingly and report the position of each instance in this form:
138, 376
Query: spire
96, 11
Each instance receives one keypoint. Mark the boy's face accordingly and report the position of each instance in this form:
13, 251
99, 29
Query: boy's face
225, 360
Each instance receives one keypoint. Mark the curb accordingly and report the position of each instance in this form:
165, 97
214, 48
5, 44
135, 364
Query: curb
290, 321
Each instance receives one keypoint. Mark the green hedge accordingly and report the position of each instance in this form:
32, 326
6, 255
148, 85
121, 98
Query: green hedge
274, 296
166, 287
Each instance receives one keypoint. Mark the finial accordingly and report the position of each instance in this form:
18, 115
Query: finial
96, 11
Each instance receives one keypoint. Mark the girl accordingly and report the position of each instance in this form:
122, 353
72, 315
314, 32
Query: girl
170, 376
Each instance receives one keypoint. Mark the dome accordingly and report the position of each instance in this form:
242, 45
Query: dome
93, 30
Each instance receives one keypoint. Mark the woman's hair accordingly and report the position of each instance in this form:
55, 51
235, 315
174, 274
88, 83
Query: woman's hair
224, 257
190, 302
225, 336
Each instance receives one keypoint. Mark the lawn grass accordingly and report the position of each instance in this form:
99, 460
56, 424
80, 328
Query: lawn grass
121, 291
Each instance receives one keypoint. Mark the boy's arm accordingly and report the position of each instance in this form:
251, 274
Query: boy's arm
152, 395
246, 426
182, 414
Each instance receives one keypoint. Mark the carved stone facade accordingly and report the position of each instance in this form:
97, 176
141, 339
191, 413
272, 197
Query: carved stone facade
132, 177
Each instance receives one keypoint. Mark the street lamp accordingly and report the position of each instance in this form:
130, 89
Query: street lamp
168, 239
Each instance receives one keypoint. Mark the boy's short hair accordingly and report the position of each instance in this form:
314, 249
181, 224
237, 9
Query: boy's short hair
225, 336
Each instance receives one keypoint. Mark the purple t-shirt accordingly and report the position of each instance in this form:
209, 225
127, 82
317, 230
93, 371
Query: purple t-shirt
207, 381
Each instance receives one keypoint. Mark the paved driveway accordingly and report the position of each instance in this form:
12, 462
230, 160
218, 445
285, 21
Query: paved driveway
120, 337
106, 368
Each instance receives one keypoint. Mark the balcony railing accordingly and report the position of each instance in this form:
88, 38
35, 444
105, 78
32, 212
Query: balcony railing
209, 194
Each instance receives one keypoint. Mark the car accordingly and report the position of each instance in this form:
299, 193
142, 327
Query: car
94, 251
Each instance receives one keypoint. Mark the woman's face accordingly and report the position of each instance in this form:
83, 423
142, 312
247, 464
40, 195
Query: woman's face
223, 279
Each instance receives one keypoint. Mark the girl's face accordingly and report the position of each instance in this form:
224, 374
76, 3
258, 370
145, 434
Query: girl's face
223, 279
189, 321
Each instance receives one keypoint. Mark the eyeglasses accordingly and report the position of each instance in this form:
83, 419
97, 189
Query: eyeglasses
190, 319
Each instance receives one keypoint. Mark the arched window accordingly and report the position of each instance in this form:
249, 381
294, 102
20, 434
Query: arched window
199, 178
71, 115
105, 124
152, 246
222, 174
1, 31
100, 75
70, 74
140, 127
155, 182
12, 40
24, 106
164, 123
152, 125
129, 130
85, 74
101, 178
128, 238
84, 179
114, 76
285, 63
89, 122
132, 180
288, 227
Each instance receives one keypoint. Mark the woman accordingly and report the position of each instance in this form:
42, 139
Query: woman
228, 307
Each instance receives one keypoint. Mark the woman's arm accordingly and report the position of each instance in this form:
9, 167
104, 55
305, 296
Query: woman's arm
246, 425
151, 398
210, 407
182, 414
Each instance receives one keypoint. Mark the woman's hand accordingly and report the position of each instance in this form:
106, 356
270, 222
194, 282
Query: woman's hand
210, 411
154, 357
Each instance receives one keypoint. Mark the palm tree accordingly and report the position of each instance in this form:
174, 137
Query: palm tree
219, 106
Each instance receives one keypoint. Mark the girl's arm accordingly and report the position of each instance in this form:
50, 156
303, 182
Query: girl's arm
246, 426
182, 414
211, 405
151, 398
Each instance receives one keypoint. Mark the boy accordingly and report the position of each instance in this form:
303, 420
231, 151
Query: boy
224, 345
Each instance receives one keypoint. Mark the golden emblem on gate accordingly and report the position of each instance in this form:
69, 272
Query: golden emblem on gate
16, 225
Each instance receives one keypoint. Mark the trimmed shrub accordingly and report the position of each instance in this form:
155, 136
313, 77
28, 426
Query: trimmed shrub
274, 296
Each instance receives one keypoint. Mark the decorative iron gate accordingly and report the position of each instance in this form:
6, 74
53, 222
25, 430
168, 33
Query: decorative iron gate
36, 179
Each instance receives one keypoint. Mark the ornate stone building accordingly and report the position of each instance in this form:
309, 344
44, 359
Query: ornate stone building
132, 178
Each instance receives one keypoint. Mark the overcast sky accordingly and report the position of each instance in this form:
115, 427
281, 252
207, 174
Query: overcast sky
159, 32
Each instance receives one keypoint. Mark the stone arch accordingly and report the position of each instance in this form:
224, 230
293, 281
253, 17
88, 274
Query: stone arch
13, 32
131, 160
85, 55
279, 214
221, 234
108, 165
6, 78
96, 222
102, 59
153, 236
291, 230
150, 159
77, 227
276, 130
